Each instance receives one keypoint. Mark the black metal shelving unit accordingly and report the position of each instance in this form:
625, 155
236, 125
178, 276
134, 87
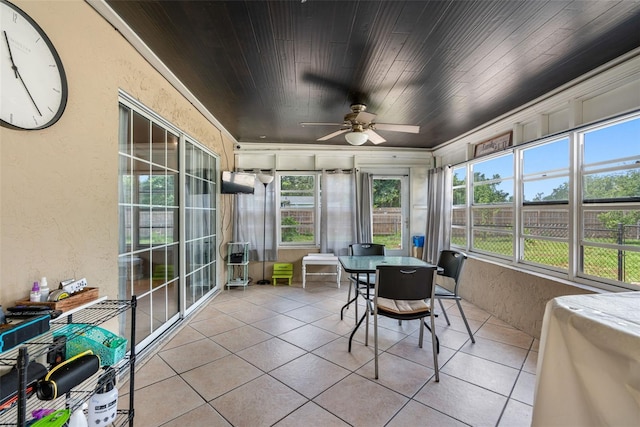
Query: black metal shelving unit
89, 317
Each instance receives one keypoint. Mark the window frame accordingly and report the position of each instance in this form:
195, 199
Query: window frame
575, 208
316, 209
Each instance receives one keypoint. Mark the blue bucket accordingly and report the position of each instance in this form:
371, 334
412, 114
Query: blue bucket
418, 241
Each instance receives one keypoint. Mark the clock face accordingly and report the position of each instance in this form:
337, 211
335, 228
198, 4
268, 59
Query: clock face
33, 85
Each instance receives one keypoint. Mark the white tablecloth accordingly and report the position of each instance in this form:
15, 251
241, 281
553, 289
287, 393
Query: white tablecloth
588, 370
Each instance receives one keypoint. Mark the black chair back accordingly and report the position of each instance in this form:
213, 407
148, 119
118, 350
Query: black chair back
450, 263
362, 249
403, 282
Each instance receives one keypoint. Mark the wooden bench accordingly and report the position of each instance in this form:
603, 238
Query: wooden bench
282, 270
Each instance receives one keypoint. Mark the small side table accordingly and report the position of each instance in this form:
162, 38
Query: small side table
321, 259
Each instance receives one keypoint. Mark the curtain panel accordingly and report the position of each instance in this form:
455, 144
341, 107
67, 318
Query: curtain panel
338, 213
438, 236
255, 222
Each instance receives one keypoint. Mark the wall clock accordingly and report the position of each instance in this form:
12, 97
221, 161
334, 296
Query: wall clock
33, 85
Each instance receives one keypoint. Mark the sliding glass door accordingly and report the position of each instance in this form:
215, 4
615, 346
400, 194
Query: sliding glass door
167, 216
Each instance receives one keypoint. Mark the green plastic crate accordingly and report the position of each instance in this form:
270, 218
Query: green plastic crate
111, 348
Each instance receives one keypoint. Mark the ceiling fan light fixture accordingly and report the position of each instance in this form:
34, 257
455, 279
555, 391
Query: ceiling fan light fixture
356, 138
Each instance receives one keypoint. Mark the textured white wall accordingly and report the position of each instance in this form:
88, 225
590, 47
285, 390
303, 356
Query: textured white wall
58, 186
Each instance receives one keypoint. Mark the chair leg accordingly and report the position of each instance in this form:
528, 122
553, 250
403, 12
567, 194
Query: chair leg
421, 333
366, 326
434, 344
473, 340
444, 311
430, 330
375, 340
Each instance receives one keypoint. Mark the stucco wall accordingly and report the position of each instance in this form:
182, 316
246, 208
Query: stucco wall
58, 186
516, 297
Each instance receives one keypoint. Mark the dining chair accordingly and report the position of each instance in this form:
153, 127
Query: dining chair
450, 265
361, 249
405, 293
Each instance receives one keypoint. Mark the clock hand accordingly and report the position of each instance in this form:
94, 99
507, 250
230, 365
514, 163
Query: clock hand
13, 64
14, 67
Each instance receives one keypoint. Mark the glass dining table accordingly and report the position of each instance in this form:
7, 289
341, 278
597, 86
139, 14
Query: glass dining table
366, 265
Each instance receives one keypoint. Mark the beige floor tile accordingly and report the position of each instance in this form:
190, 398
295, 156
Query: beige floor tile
235, 306
261, 402
284, 305
531, 363
309, 337
337, 352
457, 322
308, 314
192, 355
307, 357
217, 325
184, 336
451, 338
516, 414
490, 375
398, 374
310, 375
386, 337
205, 313
164, 401
505, 334
278, 324
525, 388
153, 370
415, 413
408, 349
536, 345
270, 354
471, 312
202, 415
333, 324
464, 401
256, 314
496, 352
241, 338
332, 305
361, 402
218, 377
266, 299
311, 415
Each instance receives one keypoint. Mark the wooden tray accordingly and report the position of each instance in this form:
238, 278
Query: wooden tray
74, 300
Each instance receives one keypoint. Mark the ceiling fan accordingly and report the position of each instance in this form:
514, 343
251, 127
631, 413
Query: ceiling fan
359, 127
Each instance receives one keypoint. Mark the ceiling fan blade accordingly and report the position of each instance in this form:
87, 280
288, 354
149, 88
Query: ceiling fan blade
397, 128
374, 137
331, 135
364, 117
303, 124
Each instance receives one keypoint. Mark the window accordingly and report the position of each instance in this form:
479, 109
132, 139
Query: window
492, 208
299, 202
459, 211
578, 216
610, 202
545, 204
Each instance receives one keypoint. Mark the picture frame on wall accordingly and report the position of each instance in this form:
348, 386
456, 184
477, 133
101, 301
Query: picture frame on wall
493, 145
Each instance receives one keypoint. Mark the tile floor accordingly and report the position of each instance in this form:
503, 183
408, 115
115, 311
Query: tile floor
277, 356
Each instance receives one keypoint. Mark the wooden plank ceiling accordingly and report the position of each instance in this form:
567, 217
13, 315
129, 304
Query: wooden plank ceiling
263, 67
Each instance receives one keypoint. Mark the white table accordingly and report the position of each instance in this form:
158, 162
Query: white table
320, 259
588, 370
